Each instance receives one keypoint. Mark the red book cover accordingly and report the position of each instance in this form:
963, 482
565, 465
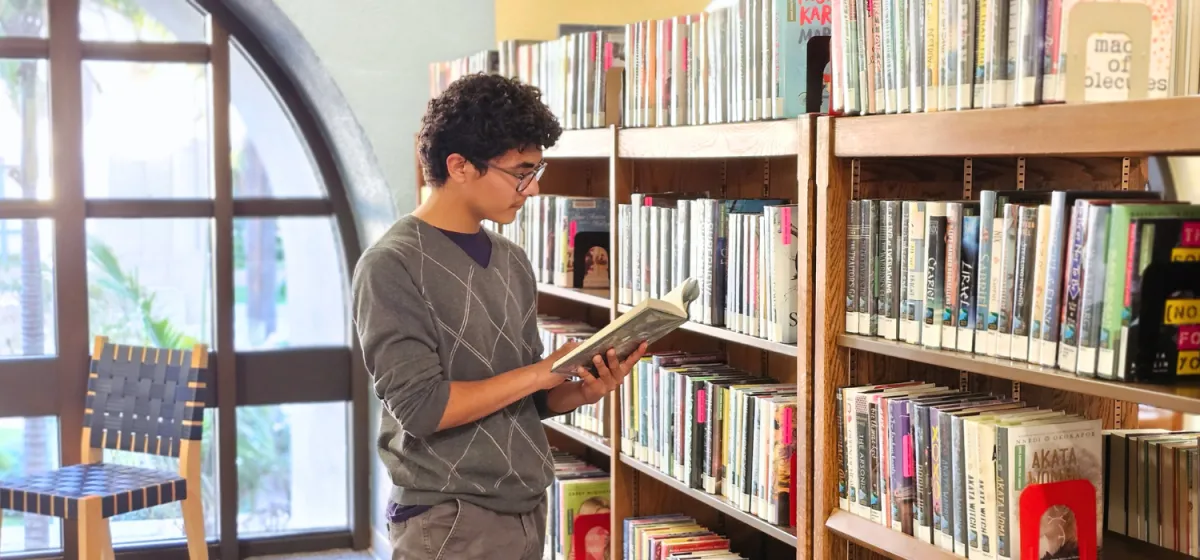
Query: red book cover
591, 537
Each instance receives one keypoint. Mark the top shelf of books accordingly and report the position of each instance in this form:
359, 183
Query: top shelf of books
1127, 128
732, 140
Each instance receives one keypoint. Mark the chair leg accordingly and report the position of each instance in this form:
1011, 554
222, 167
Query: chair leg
106, 542
193, 525
93, 534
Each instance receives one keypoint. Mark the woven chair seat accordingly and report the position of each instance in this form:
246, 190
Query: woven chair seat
121, 488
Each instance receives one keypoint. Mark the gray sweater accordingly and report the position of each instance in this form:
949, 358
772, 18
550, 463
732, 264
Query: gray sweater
427, 314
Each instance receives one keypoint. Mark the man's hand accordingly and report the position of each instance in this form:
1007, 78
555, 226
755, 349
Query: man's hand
543, 377
611, 374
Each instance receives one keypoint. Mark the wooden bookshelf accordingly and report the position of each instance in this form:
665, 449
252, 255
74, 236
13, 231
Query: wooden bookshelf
786, 535
894, 544
595, 298
592, 441
953, 155
1129, 128
1183, 398
596, 143
752, 139
756, 159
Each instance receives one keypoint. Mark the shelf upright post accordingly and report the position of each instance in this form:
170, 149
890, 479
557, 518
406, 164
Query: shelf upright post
1016, 385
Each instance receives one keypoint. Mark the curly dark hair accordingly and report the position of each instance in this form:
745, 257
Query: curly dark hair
481, 116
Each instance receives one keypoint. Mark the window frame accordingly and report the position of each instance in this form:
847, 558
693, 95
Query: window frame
46, 386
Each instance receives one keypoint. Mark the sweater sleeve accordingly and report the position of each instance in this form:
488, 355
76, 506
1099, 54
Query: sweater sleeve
399, 342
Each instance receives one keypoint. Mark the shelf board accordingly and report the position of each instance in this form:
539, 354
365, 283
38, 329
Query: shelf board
585, 143
722, 333
894, 544
1112, 129
587, 438
786, 535
751, 139
883, 540
1182, 398
597, 298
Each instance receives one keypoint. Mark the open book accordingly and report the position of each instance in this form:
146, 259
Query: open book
647, 322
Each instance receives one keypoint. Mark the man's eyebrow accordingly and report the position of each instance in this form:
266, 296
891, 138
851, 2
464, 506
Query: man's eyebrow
527, 165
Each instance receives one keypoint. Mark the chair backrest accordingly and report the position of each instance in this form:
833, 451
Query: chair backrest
148, 400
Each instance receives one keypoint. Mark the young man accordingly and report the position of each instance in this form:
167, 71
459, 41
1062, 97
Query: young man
446, 313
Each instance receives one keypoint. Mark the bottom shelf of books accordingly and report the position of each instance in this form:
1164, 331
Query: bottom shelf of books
928, 471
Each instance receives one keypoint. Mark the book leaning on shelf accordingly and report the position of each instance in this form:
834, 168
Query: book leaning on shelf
949, 467
1049, 278
647, 322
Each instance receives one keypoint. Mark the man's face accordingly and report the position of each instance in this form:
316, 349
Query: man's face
494, 193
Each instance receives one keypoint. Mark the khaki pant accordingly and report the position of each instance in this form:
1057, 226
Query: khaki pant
459, 530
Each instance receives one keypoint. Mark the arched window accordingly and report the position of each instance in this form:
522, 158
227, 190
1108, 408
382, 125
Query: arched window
156, 188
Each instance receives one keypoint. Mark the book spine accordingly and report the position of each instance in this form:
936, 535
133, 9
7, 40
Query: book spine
968, 279
949, 311
935, 274
854, 217
1068, 346
1008, 282
983, 270
1056, 249
1092, 303
1024, 279
889, 300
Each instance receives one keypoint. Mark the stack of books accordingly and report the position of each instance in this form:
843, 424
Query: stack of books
674, 536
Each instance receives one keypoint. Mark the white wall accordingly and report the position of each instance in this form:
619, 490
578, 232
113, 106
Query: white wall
378, 52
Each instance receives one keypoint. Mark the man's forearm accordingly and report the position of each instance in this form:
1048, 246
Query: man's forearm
564, 398
472, 400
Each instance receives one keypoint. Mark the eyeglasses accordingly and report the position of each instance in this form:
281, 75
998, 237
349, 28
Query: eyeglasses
524, 179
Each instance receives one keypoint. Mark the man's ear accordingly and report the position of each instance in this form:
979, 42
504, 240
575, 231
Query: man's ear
458, 169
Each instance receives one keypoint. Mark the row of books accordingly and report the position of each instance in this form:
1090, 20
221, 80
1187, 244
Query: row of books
1051, 278
672, 537
571, 72
1153, 490
750, 60
714, 428
578, 509
742, 252
925, 55
555, 332
565, 237
950, 467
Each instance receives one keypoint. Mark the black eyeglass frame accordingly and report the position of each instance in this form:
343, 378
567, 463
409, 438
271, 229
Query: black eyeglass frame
524, 179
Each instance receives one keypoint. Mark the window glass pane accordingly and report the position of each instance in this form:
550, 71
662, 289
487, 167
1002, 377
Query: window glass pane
23, 18
26, 288
289, 283
270, 158
141, 20
150, 281
293, 468
24, 129
145, 130
28, 446
165, 522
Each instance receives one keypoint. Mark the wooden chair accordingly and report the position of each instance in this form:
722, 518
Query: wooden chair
139, 399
